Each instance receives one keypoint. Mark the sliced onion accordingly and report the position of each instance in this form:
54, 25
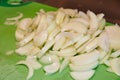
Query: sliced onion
19, 34
82, 41
27, 39
78, 27
93, 21
16, 18
49, 58
52, 68
69, 12
86, 58
81, 20
72, 41
105, 58
100, 16
115, 65
42, 24
103, 41
83, 15
81, 49
85, 75
54, 33
26, 49
113, 35
24, 24
67, 52
92, 45
51, 27
41, 38
59, 43
102, 54
64, 64
31, 64
86, 67
115, 54
59, 17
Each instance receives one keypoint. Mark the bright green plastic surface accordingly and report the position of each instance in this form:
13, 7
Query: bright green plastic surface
8, 68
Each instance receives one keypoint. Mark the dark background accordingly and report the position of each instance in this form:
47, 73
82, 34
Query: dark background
111, 8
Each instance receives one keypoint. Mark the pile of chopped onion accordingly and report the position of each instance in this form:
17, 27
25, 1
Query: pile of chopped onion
68, 37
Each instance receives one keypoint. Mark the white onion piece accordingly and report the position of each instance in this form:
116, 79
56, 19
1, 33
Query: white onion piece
42, 24
105, 58
34, 51
100, 16
102, 54
52, 68
59, 43
69, 12
54, 33
109, 70
50, 17
35, 22
86, 58
10, 22
27, 39
26, 49
113, 35
82, 41
115, 65
97, 33
30, 69
93, 21
19, 34
103, 41
16, 18
85, 75
92, 45
51, 27
49, 58
81, 49
47, 46
31, 63
81, 20
78, 27
83, 15
67, 52
101, 24
69, 35
24, 23
86, 67
64, 64
41, 38
59, 17
9, 52
115, 54
107, 63
72, 41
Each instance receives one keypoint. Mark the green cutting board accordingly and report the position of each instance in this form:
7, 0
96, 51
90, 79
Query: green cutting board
8, 68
